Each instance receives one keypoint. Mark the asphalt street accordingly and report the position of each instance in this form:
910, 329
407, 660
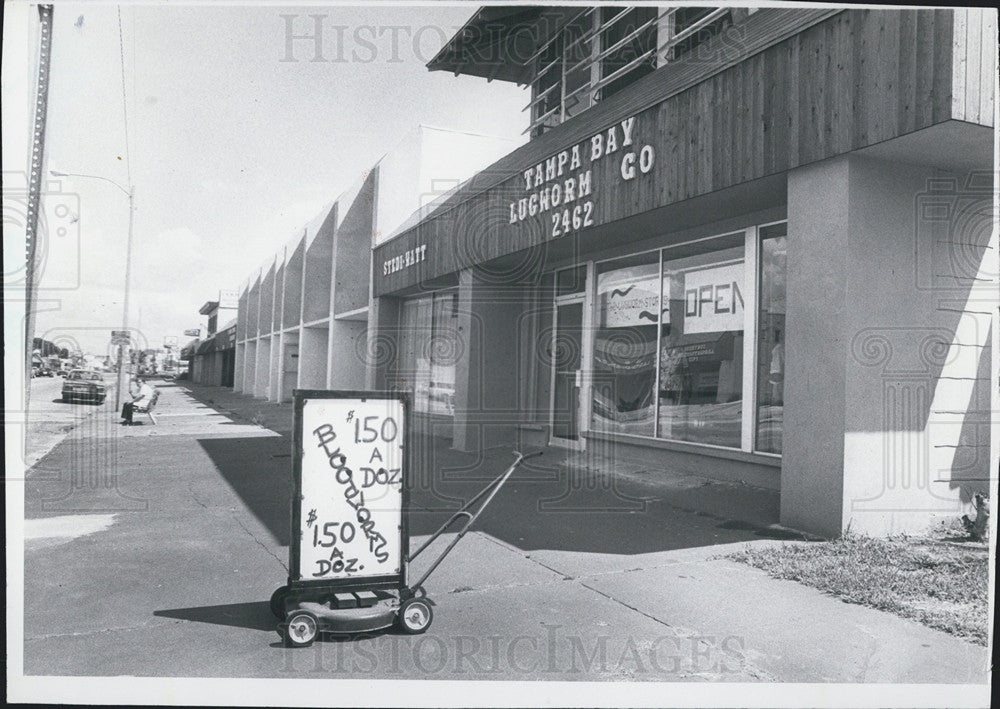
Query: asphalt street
153, 550
49, 419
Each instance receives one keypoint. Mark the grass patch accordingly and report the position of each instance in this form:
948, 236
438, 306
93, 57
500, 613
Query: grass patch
942, 585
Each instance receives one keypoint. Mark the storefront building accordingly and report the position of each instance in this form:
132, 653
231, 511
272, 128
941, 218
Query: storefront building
750, 245
213, 360
302, 320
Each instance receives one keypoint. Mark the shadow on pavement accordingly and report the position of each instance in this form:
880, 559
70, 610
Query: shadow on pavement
551, 502
259, 470
255, 616
549, 506
60, 400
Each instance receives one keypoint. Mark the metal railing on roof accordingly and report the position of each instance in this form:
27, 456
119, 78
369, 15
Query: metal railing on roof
656, 32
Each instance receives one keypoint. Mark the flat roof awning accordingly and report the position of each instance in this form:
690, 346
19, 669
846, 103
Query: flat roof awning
188, 350
499, 42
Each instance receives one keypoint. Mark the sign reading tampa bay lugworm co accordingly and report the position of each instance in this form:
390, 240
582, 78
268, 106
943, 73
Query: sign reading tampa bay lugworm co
351, 504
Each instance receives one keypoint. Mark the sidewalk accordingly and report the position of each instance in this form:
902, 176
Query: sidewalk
615, 580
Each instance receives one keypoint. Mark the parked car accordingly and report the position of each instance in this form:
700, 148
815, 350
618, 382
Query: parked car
84, 385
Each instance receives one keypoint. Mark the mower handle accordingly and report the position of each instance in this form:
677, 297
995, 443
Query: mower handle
525, 456
489, 492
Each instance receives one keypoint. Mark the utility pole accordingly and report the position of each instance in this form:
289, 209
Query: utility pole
35, 187
122, 349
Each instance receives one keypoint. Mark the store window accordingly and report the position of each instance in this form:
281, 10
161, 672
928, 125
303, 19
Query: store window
671, 329
624, 367
428, 350
771, 338
701, 347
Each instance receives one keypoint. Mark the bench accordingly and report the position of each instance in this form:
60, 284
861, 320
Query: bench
148, 409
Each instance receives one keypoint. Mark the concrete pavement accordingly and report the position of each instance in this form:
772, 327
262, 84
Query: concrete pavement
152, 551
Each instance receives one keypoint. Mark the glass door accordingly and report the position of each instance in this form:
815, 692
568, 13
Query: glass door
567, 372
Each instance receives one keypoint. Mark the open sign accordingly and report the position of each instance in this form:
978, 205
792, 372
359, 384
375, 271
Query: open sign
713, 299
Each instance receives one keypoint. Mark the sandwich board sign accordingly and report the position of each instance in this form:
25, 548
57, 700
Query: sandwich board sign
348, 523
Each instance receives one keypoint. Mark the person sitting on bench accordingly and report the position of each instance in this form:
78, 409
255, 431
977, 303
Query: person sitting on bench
140, 401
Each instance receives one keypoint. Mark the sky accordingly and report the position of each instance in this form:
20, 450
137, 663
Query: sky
233, 142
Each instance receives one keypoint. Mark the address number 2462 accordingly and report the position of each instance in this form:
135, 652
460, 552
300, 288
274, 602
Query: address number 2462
573, 218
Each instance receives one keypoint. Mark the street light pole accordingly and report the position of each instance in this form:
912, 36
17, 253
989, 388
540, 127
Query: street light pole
122, 379
130, 193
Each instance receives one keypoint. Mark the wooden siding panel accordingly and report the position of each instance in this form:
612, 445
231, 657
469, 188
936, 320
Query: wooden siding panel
854, 79
728, 139
680, 114
830, 82
973, 34
771, 79
720, 132
889, 34
906, 78
814, 96
869, 79
668, 119
988, 68
944, 38
845, 98
778, 109
960, 59
795, 91
924, 97
705, 137
757, 125
746, 126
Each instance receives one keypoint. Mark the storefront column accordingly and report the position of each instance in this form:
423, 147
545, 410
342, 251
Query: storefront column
887, 397
250, 368
239, 364
263, 368
486, 375
347, 361
381, 346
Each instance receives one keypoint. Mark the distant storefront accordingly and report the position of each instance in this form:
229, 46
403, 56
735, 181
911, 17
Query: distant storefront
214, 359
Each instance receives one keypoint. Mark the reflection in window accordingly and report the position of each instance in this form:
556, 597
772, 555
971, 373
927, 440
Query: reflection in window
628, 302
428, 349
771, 340
701, 348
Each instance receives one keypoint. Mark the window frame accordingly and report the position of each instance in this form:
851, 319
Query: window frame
751, 321
432, 298
758, 286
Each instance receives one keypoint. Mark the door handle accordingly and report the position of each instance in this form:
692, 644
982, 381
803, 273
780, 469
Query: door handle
578, 378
